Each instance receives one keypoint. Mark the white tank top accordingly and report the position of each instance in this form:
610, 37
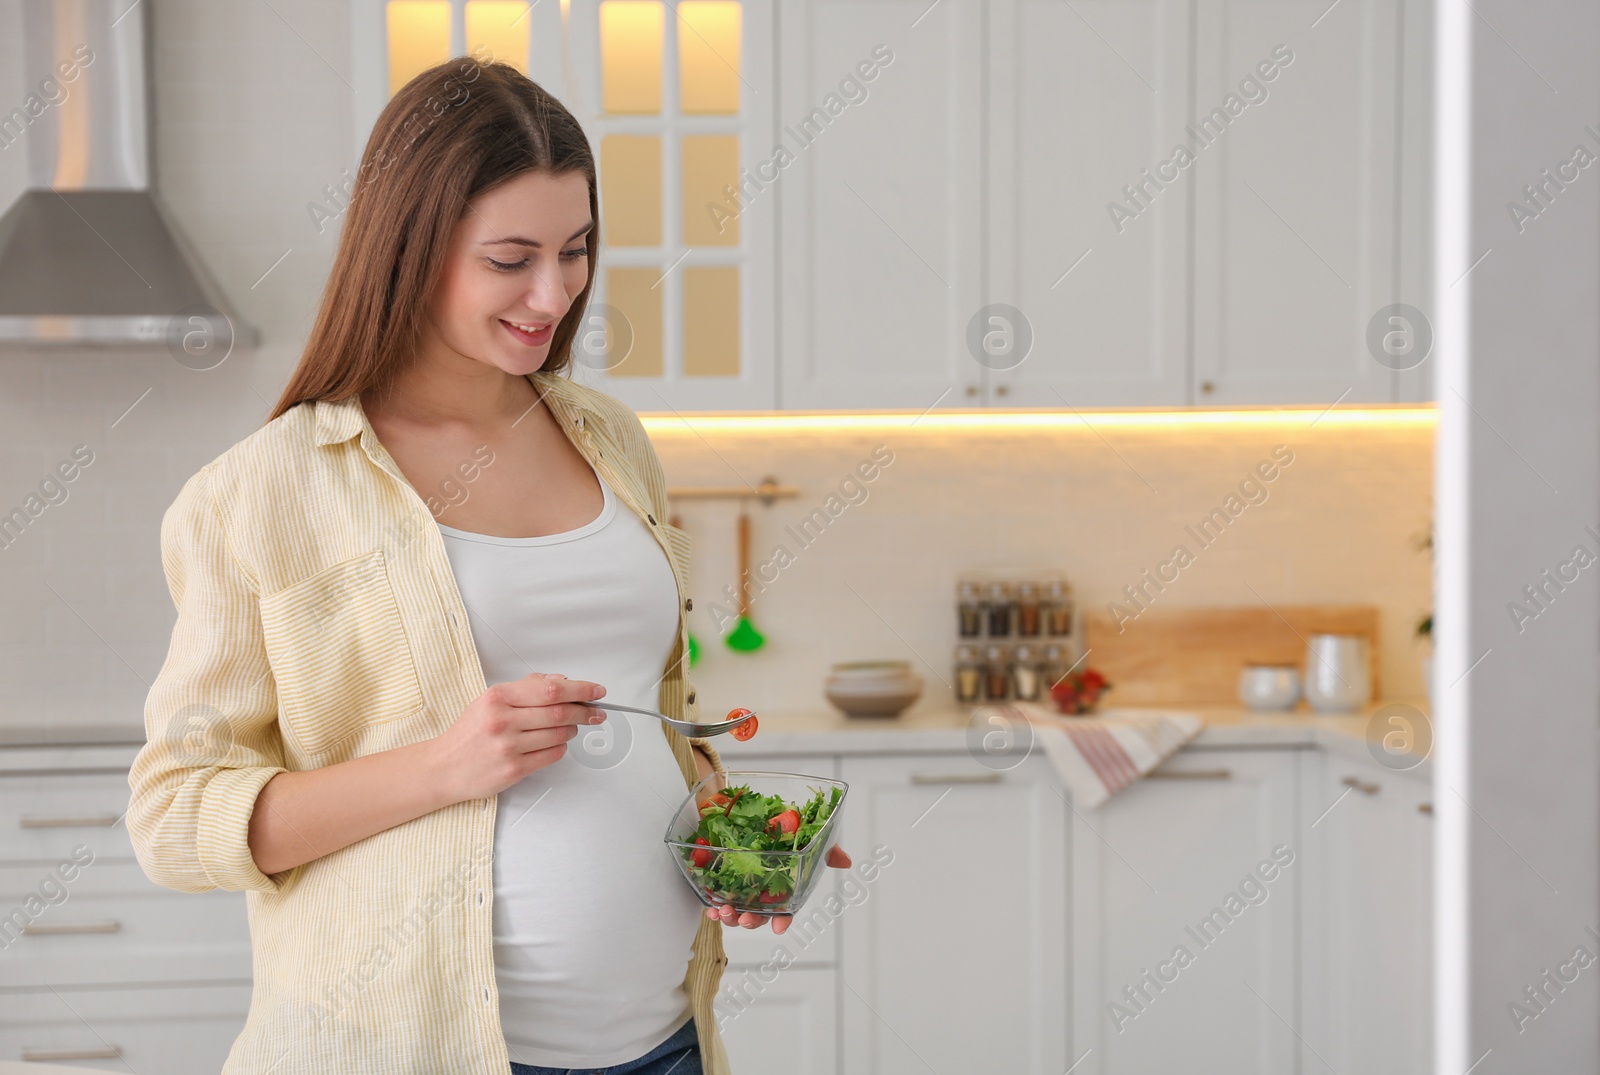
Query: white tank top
593, 925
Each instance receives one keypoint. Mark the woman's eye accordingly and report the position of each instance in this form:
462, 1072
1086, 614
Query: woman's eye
580, 252
507, 266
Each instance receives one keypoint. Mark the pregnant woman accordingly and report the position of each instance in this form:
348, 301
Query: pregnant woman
390, 600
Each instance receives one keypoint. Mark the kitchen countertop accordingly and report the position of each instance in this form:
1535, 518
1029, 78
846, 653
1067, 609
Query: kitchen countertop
944, 730
931, 730
71, 735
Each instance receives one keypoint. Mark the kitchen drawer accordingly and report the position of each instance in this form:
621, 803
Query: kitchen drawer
46, 815
152, 1031
113, 925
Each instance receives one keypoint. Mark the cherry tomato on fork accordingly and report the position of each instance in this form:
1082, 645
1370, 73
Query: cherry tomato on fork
745, 730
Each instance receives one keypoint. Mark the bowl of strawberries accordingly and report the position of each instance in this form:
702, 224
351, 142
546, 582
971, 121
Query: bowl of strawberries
1078, 693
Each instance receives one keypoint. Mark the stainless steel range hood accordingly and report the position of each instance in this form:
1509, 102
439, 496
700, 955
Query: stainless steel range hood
87, 254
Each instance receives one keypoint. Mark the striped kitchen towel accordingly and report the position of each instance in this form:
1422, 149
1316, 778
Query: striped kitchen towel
1097, 756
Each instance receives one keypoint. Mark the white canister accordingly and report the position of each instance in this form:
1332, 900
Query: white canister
1269, 687
1336, 673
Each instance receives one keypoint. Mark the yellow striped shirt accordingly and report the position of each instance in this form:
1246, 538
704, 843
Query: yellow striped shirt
318, 620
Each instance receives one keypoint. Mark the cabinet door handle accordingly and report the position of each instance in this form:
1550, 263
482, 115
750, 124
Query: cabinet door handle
1189, 774
1425, 808
97, 821
1361, 785
110, 925
955, 778
109, 1052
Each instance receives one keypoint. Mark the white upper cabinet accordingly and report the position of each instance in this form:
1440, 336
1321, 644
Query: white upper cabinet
1085, 102
868, 204
678, 102
1296, 109
881, 108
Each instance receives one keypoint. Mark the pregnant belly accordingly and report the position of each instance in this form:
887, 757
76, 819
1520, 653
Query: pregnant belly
588, 902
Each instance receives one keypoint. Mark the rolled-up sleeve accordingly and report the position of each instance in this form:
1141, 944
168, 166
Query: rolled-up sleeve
211, 717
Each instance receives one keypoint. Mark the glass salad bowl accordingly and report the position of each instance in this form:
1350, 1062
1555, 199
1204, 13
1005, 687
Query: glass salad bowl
755, 840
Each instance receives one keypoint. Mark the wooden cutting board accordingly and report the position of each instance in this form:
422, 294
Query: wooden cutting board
1192, 656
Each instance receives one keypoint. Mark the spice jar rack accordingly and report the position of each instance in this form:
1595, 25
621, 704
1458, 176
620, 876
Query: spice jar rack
1019, 634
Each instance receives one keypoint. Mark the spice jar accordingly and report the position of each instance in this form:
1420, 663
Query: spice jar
969, 608
1053, 665
1058, 608
996, 678
969, 674
998, 609
1025, 672
1027, 608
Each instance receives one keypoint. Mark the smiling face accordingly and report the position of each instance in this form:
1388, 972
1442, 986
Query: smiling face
517, 260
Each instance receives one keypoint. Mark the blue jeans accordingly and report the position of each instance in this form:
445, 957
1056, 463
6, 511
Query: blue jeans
678, 1055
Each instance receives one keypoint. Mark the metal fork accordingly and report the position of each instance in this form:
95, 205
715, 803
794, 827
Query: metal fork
684, 727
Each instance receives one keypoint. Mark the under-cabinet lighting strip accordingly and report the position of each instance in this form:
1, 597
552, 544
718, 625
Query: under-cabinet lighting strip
990, 420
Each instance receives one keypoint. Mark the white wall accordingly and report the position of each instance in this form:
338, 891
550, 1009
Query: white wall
249, 124
1518, 769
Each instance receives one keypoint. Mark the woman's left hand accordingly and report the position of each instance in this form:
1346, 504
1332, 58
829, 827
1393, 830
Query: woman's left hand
751, 920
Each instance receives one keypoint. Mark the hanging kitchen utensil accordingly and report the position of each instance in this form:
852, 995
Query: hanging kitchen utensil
744, 638
694, 644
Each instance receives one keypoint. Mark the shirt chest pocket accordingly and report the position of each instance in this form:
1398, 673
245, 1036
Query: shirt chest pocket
340, 656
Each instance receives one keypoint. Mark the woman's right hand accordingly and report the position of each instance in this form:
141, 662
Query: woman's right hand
511, 730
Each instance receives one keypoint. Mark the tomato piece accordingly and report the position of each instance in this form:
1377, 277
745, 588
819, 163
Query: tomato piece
788, 821
745, 730
700, 858
772, 897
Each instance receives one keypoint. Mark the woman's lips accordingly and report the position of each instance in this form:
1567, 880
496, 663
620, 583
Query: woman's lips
532, 339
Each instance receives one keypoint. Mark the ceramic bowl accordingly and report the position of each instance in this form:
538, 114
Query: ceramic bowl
872, 688
1269, 688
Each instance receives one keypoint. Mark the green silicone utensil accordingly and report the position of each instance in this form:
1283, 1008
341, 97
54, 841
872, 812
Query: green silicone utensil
744, 638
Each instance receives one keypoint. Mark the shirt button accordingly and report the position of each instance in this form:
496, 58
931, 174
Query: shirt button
486, 994
688, 606
691, 697
480, 897
652, 519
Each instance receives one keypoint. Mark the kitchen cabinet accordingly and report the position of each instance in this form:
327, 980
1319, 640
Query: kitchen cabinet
99, 966
678, 105
785, 1026
1369, 889
1071, 120
1003, 929
1296, 225
1186, 890
184, 1030
956, 954
977, 203
880, 252
1244, 274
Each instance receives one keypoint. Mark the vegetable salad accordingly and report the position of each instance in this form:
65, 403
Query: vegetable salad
736, 826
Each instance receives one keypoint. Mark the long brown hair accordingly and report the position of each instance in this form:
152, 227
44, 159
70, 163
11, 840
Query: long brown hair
448, 135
